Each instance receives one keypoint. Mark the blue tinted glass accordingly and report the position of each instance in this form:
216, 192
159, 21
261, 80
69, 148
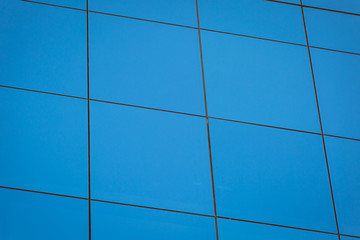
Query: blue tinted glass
68, 3
270, 175
343, 157
343, 5
43, 48
253, 17
333, 30
27, 215
259, 81
146, 64
338, 87
111, 221
43, 142
233, 230
348, 238
291, 1
175, 11
150, 158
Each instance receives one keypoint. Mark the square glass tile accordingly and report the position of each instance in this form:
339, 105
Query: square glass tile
150, 158
146, 64
43, 142
270, 175
43, 48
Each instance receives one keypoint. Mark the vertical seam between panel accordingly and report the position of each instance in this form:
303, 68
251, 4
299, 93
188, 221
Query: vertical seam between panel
88, 114
320, 122
207, 122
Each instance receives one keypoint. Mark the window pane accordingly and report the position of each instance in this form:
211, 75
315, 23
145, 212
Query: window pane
43, 48
43, 142
292, 1
338, 87
343, 5
349, 238
175, 11
27, 215
145, 64
259, 81
81, 4
231, 230
270, 175
333, 30
111, 221
343, 157
253, 17
150, 158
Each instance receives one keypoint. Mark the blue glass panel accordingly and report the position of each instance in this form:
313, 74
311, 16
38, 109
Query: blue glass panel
253, 17
343, 5
233, 230
43, 48
111, 221
146, 64
43, 142
27, 215
338, 87
292, 1
67, 3
343, 157
270, 175
348, 238
259, 81
175, 11
150, 158
333, 30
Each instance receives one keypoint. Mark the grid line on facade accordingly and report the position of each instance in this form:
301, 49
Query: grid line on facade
213, 30
176, 211
320, 122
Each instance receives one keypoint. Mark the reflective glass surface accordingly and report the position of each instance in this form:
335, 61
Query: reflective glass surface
257, 18
333, 30
150, 158
270, 175
352, 6
80, 4
43, 48
231, 230
43, 142
145, 64
259, 81
338, 87
175, 11
343, 156
180, 119
116, 221
27, 215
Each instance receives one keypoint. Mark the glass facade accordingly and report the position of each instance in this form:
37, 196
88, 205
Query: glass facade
180, 119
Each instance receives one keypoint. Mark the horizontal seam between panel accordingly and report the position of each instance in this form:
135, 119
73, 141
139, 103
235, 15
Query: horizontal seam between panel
176, 112
202, 29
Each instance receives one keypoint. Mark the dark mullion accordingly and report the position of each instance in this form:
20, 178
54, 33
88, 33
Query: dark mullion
320, 122
88, 115
53, 5
313, 7
176, 112
207, 121
264, 125
274, 1
334, 50
42, 192
253, 37
276, 225
209, 30
176, 211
